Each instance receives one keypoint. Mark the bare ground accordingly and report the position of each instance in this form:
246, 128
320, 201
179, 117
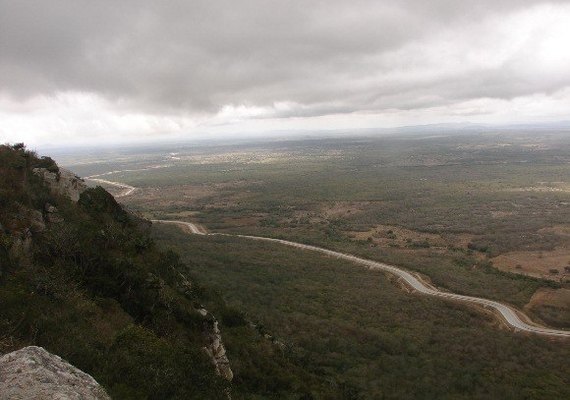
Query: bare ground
545, 264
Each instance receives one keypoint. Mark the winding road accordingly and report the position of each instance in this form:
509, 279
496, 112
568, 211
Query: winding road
511, 316
126, 189
514, 318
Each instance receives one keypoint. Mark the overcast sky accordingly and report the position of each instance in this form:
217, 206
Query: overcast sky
85, 70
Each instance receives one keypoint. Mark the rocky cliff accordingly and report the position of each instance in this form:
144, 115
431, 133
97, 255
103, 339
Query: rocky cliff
215, 347
87, 280
63, 182
34, 373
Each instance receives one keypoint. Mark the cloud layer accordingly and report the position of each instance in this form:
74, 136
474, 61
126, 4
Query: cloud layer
188, 64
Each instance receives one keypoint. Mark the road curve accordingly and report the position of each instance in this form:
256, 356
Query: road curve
127, 189
193, 228
509, 314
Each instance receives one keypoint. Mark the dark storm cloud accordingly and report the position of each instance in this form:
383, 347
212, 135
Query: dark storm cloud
320, 57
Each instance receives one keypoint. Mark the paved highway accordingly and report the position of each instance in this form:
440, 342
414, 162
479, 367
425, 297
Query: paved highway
193, 228
510, 316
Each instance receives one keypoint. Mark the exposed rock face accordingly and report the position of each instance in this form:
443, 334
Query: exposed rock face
33, 373
64, 182
214, 345
215, 348
37, 221
52, 214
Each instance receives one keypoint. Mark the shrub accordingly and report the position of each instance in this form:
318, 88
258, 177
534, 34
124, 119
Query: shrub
231, 317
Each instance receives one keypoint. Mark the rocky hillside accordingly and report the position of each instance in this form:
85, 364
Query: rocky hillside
81, 277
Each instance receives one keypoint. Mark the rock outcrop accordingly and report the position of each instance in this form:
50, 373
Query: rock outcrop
63, 182
34, 373
215, 347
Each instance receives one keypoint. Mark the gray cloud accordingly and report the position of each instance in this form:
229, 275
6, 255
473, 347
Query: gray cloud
322, 57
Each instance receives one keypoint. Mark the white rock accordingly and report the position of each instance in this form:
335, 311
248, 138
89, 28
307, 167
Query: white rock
67, 184
216, 350
33, 373
49, 208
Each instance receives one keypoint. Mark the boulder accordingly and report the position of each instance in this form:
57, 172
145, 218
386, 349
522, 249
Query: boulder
37, 221
34, 373
50, 208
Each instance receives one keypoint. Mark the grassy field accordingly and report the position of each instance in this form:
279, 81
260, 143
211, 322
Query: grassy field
356, 327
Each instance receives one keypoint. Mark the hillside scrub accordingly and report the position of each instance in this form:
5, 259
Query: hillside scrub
357, 326
85, 281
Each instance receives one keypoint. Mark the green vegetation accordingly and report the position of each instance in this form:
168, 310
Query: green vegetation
349, 324
447, 206
87, 282
441, 185
464, 199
